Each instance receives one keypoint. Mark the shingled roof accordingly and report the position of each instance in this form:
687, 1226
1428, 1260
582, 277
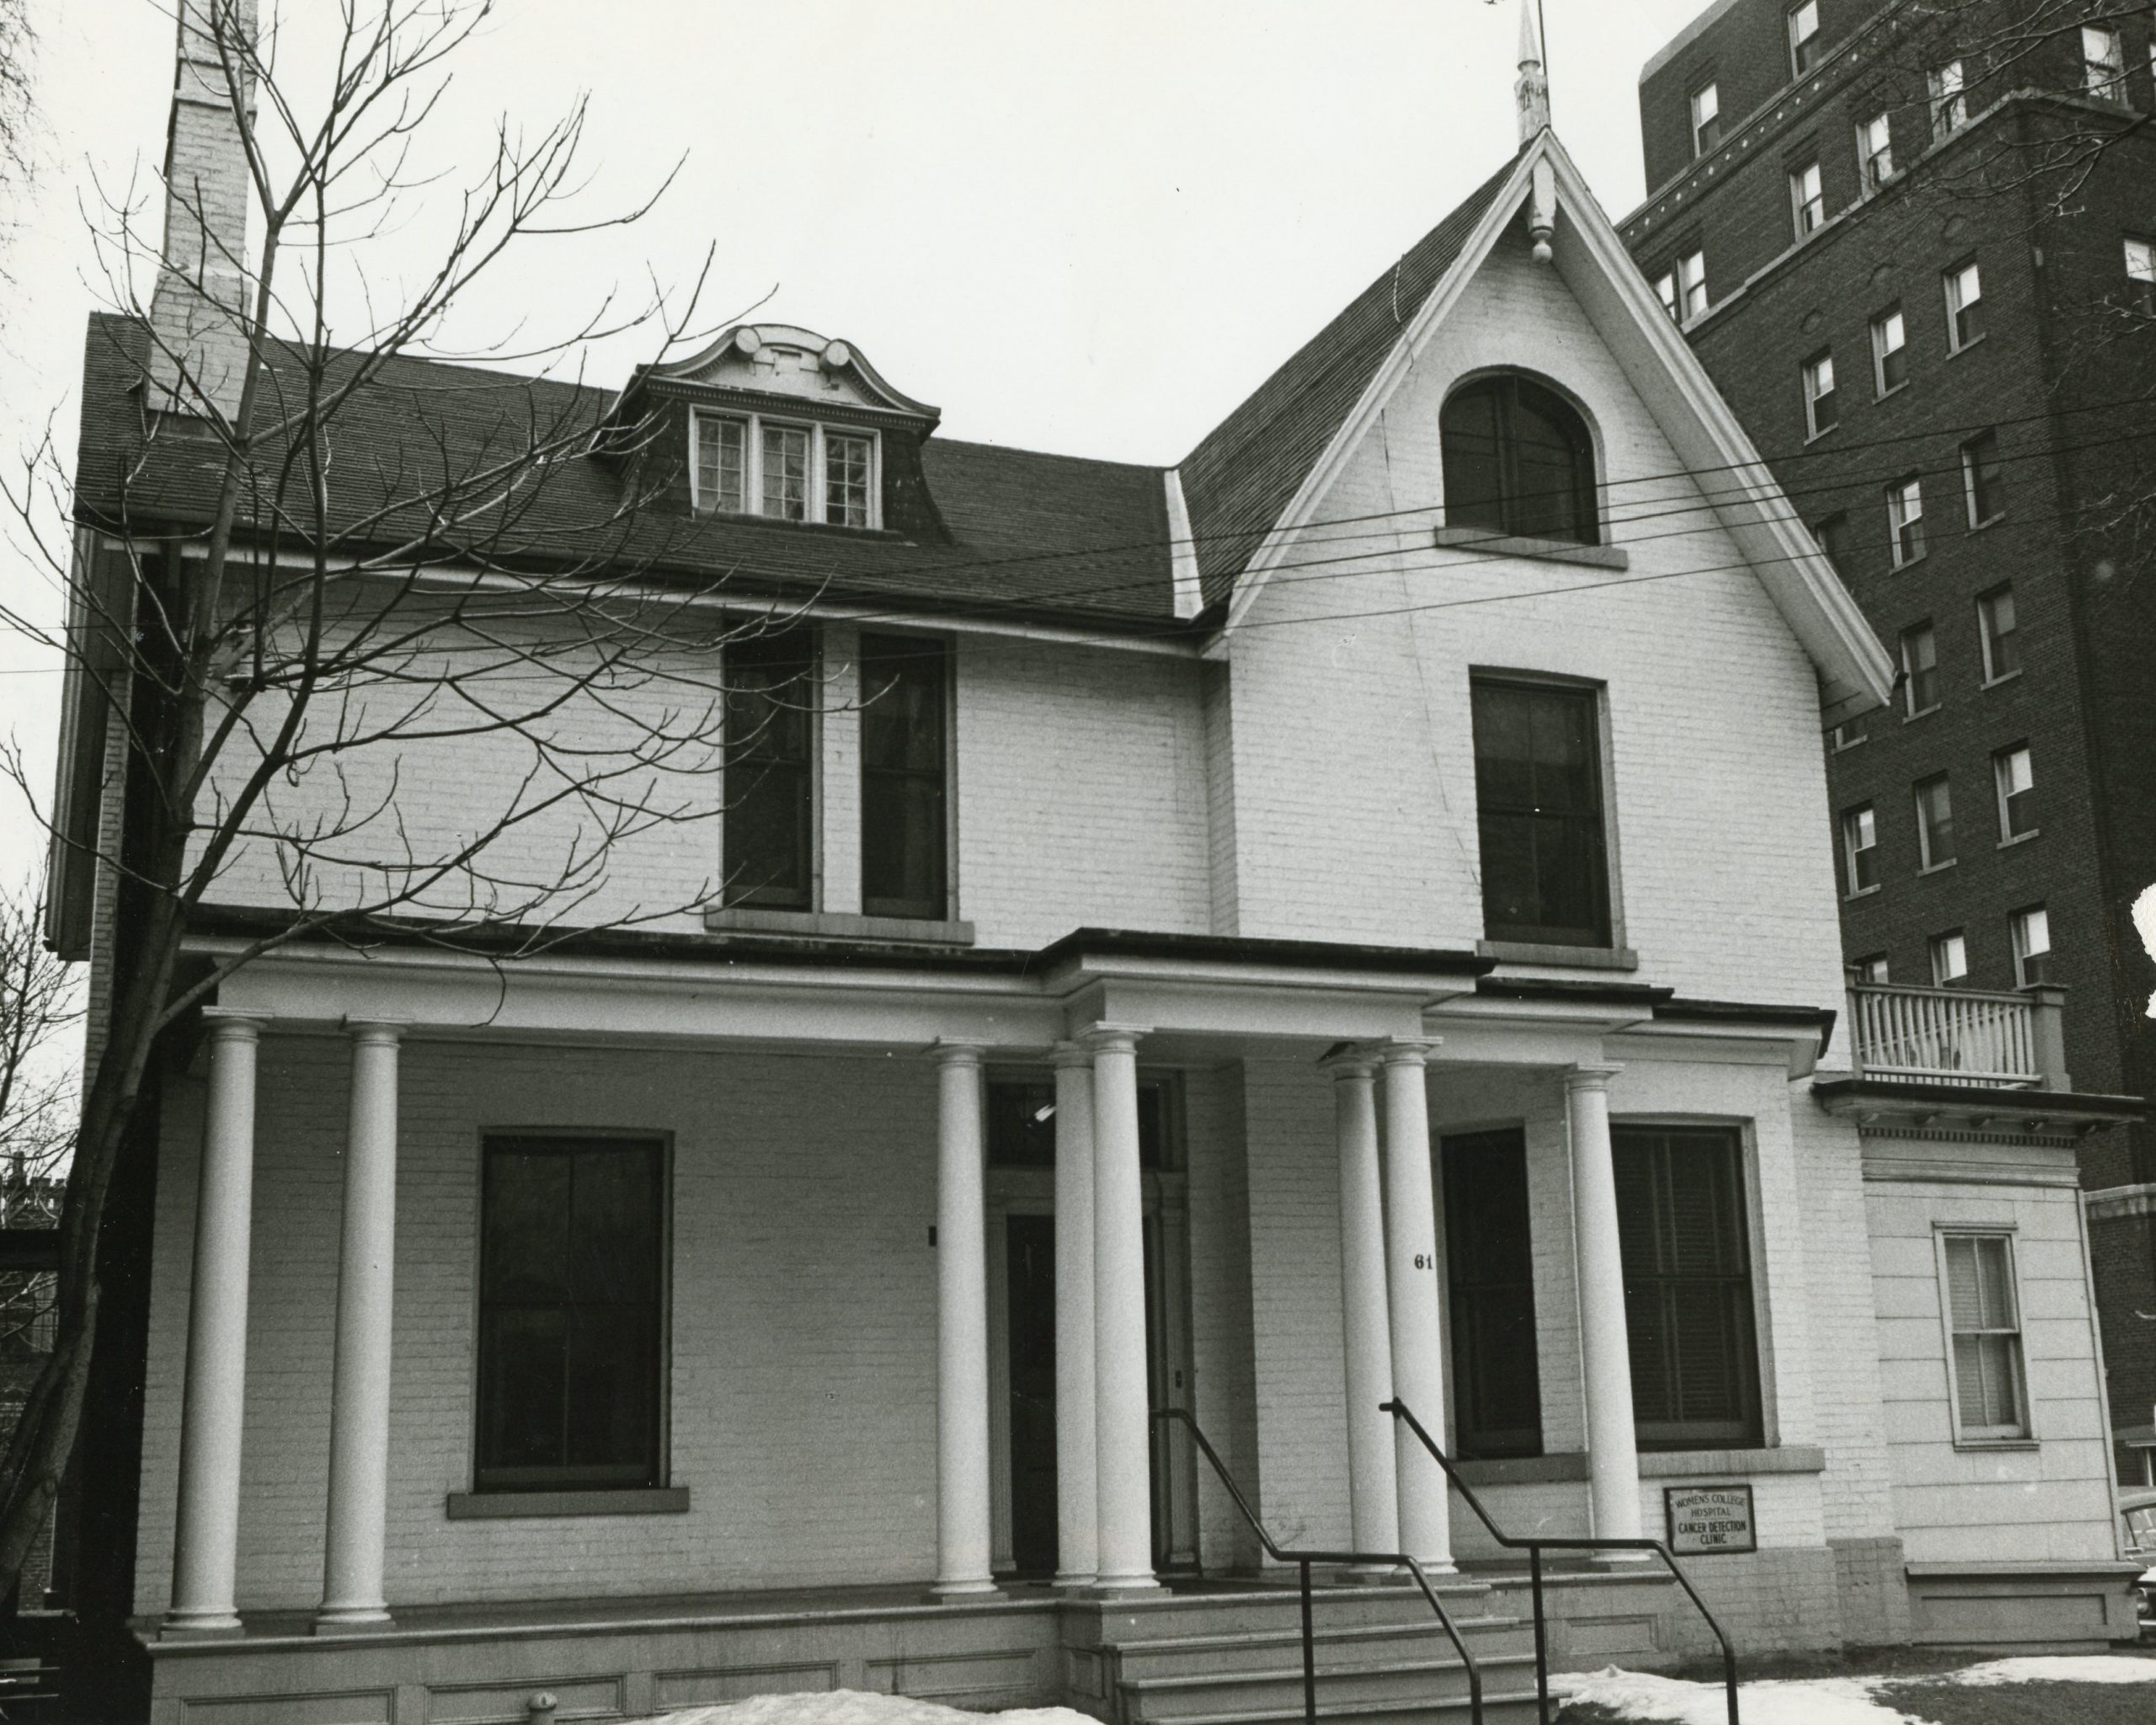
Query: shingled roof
1239, 479
1033, 535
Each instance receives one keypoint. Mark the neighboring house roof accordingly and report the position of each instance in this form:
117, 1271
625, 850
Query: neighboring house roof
1033, 535
1239, 479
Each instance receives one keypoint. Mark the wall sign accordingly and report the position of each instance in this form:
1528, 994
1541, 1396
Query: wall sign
1705, 1520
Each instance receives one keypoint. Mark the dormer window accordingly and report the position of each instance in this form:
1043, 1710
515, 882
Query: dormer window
747, 464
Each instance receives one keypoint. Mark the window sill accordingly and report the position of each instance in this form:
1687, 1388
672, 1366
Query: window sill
502, 1506
1937, 868
757, 518
1996, 1443
2004, 677
1906, 563
1522, 952
834, 925
1602, 557
1700, 1463
1880, 395
1921, 713
1956, 353
2020, 838
1827, 431
1862, 892
1988, 522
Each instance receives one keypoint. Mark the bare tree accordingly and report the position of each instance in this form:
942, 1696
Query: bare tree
41, 999
428, 676
17, 43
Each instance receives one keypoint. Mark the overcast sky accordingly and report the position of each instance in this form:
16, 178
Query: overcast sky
1091, 228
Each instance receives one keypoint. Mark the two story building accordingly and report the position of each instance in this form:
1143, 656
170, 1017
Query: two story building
1341, 919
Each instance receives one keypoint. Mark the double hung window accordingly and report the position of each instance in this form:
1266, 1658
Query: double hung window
1691, 286
1538, 781
1935, 801
571, 1273
1983, 486
2030, 928
767, 830
1832, 533
2015, 777
1852, 731
1919, 669
1874, 152
1965, 306
1950, 957
1860, 850
1821, 413
1950, 101
1803, 38
2103, 62
2141, 269
1706, 118
1489, 1272
1890, 358
2001, 640
750, 465
1905, 519
1983, 1322
1870, 971
1807, 199
1685, 1243
1665, 290
905, 683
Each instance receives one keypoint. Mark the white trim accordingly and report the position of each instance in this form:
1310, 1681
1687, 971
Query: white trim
1182, 548
1985, 1437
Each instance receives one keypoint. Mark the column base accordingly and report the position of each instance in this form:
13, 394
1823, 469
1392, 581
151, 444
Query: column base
1619, 1560
1074, 1583
204, 1625
981, 1588
1438, 1566
1371, 1575
351, 1620
1123, 1587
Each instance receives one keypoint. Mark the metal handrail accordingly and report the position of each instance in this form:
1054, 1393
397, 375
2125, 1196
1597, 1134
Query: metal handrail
1534, 1549
1302, 1560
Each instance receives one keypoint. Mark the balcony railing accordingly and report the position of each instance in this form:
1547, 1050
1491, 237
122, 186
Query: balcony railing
1958, 1035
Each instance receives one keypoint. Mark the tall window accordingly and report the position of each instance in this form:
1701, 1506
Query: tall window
749, 465
1665, 290
1691, 286
2141, 269
1919, 669
2015, 778
786, 473
1821, 414
1983, 1322
2001, 640
1860, 849
1890, 359
1905, 519
1688, 1286
1538, 783
1965, 306
1706, 118
1833, 534
2103, 62
1935, 822
1490, 1269
1983, 486
722, 464
1950, 957
1518, 460
571, 1257
768, 827
849, 478
1874, 152
1807, 199
1950, 101
1804, 37
904, 774
2030, 929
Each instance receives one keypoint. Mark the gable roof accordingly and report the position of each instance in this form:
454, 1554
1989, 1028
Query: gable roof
1035, 537
1293, 435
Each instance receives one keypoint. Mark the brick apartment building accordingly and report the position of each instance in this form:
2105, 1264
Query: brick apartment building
1913, 247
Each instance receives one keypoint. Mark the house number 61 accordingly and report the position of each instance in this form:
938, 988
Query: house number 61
1423, 1260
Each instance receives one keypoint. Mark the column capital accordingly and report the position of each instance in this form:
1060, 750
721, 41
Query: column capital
1066, 1056
365, 1031
1589, 1077
1097, 1038
228, 1024
946, 1051
1407, 1050
1349, 1060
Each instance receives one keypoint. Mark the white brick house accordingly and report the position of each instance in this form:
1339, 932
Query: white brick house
1210, 1020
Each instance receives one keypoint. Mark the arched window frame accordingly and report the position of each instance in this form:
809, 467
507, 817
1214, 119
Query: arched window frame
1513, 520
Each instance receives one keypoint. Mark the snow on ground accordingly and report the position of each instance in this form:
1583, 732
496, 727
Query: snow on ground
849, 1706
1824, 1701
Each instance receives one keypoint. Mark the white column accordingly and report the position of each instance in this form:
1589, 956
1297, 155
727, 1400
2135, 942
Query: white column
962, 1519
205, 1539
359, 1398
1605, 1348
1122, 1459
1077, 1501
1418, 1354
1365, 1325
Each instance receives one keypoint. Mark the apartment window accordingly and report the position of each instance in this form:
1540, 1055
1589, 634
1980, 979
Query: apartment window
1890, 357
1950, 957
1706, 118
768, 828
1874, 152
2141, 268
1905, 519
1935, 822
1691, 286
1833, 534
1688, 1286
1983, 486
1665, 290
1869, 971
1965, 306
1538, 781
1950, 101
2103, 62
571, 1270
1852, 731
1807, 199
1860, 850
1820, 412
905, 776
1995, 625
1804, 37
788, 473
2031, 931
1490, 1274
2016, 780
1518, 459
1919, 669
1983, 1322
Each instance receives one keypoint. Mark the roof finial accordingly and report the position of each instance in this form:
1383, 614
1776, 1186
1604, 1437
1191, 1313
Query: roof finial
1533, 90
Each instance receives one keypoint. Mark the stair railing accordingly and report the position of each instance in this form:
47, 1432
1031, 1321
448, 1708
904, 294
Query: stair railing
1303, 1561
1536, 1547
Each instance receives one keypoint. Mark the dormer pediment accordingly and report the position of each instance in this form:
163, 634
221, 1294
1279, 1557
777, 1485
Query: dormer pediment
783, 359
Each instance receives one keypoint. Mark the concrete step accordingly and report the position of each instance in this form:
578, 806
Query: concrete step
1505, 1701
1338, 1648
1259, 1609
1397, 1683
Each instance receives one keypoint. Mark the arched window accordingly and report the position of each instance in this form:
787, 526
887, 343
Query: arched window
1518, 461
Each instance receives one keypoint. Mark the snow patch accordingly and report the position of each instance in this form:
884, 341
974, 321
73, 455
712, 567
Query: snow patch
2059, 1668
1811, 1701
851, 1707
